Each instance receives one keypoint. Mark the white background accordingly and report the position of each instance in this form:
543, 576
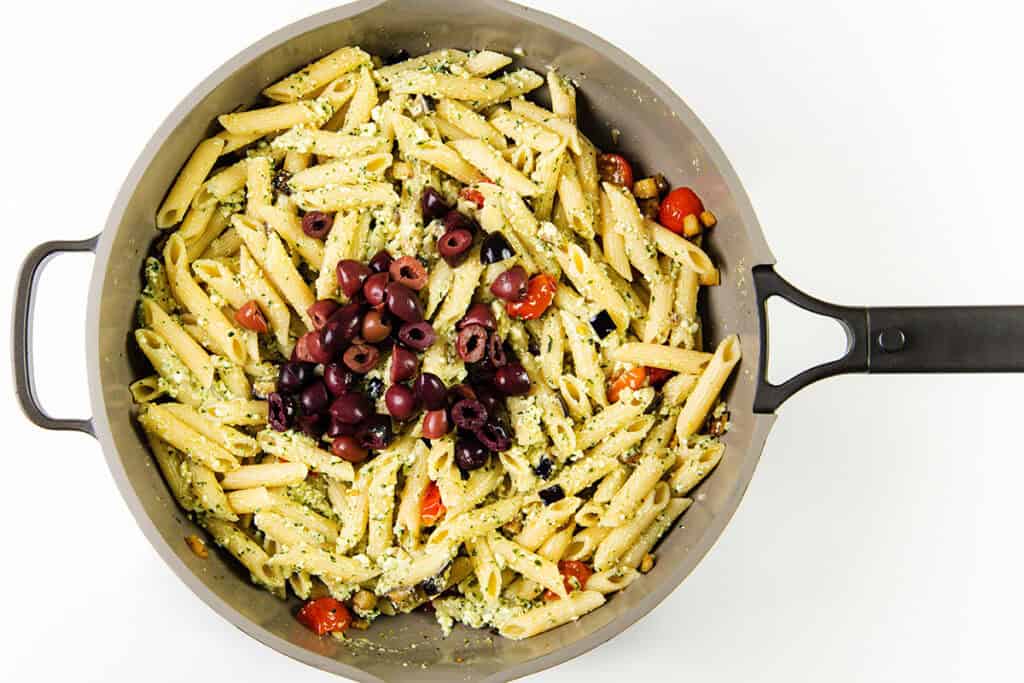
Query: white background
880, 142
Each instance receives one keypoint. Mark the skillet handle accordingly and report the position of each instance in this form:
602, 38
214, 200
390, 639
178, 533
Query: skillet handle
894, 339
21, 332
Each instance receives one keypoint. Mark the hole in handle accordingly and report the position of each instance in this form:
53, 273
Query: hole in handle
800, 339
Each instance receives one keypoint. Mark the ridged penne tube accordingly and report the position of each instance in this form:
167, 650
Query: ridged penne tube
408, 517
659, 307
219, 277
611, 580
245, 550
369, 167
629, 223
517, 466
323, 563
146, 389
614, 417
616, 543
488, 574
279, 117
622, 442
345, 197
545, 521
677, 389
684, 307
662, 356
224, 245
593, 284
385, 75
486, 62
610, 485
301, 514
491, 164
195, 358
296, 162
171, 461
289, 227
458, 528
526, 132
225, 335
529, 564
579, 213
163, 423
560, 125
337, 246
178, 380
258, 179
585, 360
240, 444
695, 466
325, 143
295, 447
439, 85
266, 297
157, 287
585, 542
429, 563
222, 185
236, 411
563, 96
524, 224
552, 614
517, 83
552, 350
586, 170
547, 170
188, 182
266, 475
233, 143
382, 504
473, 491
354, 518
612, 241
314, 76
584, 472
286, 532
684, 252
281, 271
574, 394
655, 460
464, 282
708, 386
557, 425
590, 514
651, 534
247, 501
467, 120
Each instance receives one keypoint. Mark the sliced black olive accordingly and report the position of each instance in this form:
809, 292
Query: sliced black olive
551, 494
374, 388
544, 467
495, 248
602, 324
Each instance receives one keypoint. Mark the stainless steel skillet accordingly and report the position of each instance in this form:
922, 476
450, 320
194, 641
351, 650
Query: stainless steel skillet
657, 130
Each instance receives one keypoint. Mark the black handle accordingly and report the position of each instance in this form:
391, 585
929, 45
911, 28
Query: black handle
888, 340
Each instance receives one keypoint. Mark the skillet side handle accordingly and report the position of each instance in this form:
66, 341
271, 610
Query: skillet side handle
854, 321
21, 332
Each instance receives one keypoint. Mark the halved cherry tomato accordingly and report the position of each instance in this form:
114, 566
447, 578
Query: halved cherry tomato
614, 168
432, 507
540, 292
251, 317
658, 376
574, 576
677, 205
472, 195
324, 615
634, 378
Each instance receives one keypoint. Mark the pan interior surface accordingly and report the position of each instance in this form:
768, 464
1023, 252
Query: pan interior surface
622, 108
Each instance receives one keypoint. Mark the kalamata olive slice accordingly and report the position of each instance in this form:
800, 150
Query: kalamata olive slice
551, 494
457, 392
332, 341
280, 411
348, 448
404, 364
294, 375
430, 391
351, 276
381, 261
349, 317
454, 245
453, 220
376, 327
602, 324
495, 248
432, 204
321, 311
319, 350
512, 380
496, 355
374, 387
469, 414
410, 272
470, 454
478, 314
376, 432
336, 428
471, 343
435, 424
510, 285
419, 336
311, 425
403, 303
544, 467
490, 397
351, 408
375, 288
315, 398
495, 436
361, 358
479, 374
317, 224
400, 402
301, 350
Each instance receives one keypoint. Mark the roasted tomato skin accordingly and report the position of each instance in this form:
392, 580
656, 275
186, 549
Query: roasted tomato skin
431, 508
634, 378
614, 168
540, 292
251, 317
574, 575
324, 615
677, 205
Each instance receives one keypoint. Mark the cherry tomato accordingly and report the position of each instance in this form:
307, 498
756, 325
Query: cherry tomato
574, 576
431, 508
540, 292
614, 168
472, 195
634, 378
677, 205
251, 317
658, 376
324, 615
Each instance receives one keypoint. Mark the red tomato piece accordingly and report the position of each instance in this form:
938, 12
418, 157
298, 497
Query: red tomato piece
472, 195
251, 317
324, 615
431, 507
634, 378
540, 292
574, 576
614, 168
658, 376
677, 205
